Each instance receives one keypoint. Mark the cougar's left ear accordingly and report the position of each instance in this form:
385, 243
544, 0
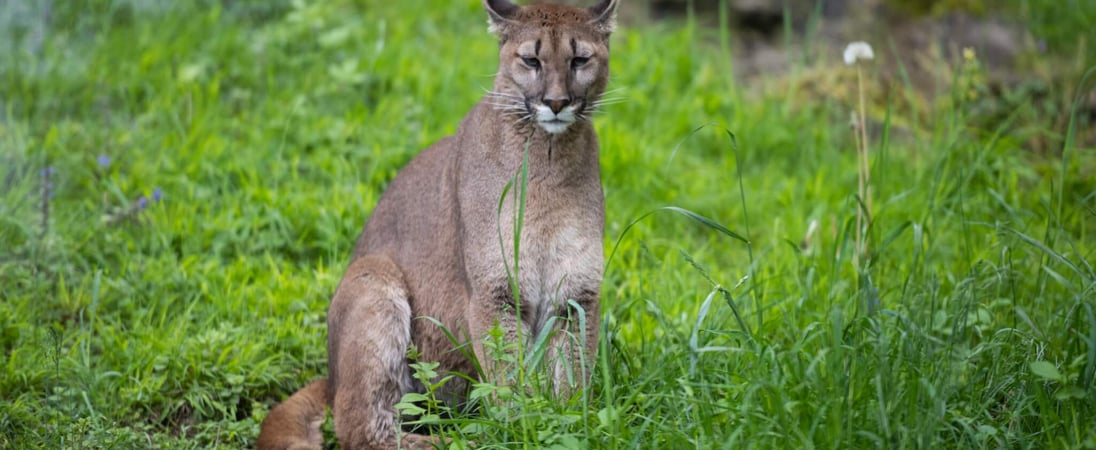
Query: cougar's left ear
604, 15
500, 15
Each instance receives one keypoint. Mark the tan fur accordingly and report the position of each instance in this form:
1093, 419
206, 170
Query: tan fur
295, 424
431, 247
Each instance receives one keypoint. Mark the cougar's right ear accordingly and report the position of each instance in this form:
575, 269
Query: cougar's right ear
604, 15
500, 15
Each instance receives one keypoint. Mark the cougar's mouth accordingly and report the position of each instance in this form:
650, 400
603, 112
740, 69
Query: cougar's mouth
555, 122
554, 126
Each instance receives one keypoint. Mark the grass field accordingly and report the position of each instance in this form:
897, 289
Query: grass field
182, 183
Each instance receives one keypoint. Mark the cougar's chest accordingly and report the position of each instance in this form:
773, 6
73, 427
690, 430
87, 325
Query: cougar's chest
561, 259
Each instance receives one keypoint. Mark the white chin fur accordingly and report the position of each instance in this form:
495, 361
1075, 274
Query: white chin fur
555, 123
554, 127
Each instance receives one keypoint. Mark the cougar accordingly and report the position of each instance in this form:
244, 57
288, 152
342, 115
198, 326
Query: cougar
440, 243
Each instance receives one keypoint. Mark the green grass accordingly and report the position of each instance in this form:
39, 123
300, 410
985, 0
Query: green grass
272, 129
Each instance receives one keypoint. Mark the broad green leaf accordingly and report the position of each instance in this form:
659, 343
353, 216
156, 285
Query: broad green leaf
1045, 370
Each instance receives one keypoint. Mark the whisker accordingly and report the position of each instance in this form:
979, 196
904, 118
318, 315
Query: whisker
608, 102
596, 107
589, 113
503, 95
609, 98
508, 105
523, 119
515, 113
503, 106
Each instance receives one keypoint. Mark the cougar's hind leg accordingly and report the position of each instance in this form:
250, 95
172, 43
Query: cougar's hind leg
369, 330
295, 423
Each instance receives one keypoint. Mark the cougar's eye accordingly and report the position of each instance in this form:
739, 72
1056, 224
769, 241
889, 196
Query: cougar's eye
579, 61
531, 62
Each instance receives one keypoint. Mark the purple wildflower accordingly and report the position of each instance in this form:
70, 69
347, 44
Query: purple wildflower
157, 194
142, 202
103, 160
47, 182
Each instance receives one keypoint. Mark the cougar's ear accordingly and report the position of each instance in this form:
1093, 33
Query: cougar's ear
500, 15
604, 15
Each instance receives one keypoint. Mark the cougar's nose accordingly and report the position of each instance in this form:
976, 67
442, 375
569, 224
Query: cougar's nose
558, 104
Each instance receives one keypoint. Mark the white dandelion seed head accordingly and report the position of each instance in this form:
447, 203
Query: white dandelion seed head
857, 51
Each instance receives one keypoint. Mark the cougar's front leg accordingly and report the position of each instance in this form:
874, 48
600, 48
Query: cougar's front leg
369, 330
572, 349
492, 305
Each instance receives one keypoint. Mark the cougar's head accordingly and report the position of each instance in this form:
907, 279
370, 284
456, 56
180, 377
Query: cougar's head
553, 61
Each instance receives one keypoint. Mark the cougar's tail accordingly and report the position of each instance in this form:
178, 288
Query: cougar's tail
295, 424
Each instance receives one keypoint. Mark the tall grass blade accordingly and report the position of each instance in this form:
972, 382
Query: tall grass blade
684, 212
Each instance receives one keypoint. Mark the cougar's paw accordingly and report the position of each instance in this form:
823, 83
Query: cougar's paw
418, 441
421, 442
